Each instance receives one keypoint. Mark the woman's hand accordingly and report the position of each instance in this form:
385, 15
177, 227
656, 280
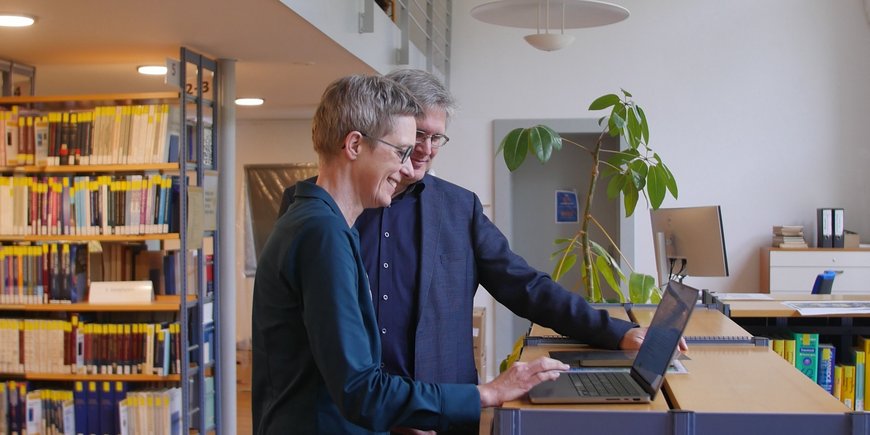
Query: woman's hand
518, 380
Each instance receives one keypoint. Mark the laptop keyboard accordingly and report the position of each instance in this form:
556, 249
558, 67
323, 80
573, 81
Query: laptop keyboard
604, 384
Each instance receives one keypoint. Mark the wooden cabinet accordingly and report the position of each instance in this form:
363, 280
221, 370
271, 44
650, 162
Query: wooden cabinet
795, 270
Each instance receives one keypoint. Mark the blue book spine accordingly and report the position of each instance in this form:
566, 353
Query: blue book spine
92, 403
81, 408
107, 409
827, 360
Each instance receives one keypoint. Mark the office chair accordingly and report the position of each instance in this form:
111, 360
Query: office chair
824, 282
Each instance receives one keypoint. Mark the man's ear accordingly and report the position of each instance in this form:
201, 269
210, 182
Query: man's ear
352, 143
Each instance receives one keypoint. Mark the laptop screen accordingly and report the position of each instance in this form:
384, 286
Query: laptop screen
663, 335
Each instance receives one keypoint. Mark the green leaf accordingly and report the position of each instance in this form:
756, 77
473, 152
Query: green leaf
630, 197
640, 287
626, 93
604, 102
643, 125
655, 186
543, 140
638, 172
604, 268
564, 266
671, 182
632, 131
514, 149
617, 182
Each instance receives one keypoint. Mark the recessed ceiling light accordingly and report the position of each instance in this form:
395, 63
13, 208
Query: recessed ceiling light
9, 20
152, 70
249, 101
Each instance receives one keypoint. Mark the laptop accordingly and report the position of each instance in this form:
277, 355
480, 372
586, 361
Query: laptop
643, 381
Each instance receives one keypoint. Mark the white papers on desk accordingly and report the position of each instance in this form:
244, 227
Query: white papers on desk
824, 308
743, 296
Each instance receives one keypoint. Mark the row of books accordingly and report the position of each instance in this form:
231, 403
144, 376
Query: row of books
49, 412
94, 408
104, 135
67, 347
842, 374
789, 236
117, 262
156, 412
87, 205
49, 273
43, 273
13, 403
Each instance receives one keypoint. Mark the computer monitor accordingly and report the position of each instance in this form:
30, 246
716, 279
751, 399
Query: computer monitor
689, 241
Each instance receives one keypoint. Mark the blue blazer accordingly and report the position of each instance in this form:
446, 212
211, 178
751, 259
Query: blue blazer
462, 249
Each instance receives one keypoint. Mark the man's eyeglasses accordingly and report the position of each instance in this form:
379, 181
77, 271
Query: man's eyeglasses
438, 140
403, 152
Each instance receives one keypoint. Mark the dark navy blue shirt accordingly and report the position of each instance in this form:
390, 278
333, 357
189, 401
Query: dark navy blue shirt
389, 241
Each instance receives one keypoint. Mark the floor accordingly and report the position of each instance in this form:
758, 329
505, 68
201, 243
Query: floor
243, 399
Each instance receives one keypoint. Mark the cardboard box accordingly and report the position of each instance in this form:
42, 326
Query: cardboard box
852, 240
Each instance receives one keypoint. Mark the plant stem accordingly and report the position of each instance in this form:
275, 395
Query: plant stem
594, 293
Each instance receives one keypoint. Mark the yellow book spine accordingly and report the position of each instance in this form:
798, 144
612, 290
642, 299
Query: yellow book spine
838, 382
777, 345
848, 388
789, 350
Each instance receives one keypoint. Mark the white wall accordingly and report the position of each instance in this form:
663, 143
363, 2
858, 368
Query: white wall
262, 141
761, 107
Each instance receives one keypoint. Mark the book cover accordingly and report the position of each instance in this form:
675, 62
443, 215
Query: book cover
848, 386
4, 408
827, 360
860, 375
107, 409
807, 354
81, 408
92, 400
68, 416
788, 350
838, 382
34, 422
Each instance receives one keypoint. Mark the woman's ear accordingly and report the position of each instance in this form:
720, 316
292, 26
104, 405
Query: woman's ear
352, 143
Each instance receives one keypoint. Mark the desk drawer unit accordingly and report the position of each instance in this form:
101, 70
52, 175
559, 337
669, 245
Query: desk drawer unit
795, 270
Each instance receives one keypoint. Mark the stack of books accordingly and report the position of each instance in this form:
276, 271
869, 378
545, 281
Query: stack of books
789, 236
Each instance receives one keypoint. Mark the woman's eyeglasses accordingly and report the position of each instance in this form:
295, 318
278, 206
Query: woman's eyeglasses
403, 152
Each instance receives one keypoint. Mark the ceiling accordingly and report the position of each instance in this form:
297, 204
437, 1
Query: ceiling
94, 46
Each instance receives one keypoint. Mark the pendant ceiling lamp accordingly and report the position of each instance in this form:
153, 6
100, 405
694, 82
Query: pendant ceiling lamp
550, 15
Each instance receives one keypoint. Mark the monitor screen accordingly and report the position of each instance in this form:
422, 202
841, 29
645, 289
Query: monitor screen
689, 241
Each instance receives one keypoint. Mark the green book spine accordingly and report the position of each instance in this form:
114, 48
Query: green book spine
807, 354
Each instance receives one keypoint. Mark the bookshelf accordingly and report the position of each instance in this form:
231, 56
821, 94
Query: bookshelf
136, 202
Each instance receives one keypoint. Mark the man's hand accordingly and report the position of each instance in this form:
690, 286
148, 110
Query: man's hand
634, 338
518, 380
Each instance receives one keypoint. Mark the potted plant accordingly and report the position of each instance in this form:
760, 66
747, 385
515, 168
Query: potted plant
632, 172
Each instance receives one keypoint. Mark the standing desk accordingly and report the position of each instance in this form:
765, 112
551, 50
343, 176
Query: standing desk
766, 317
729, 389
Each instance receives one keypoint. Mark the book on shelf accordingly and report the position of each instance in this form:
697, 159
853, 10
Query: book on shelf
827, 360
848, 386
838, 382
807, 354
789, 350
860, 374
